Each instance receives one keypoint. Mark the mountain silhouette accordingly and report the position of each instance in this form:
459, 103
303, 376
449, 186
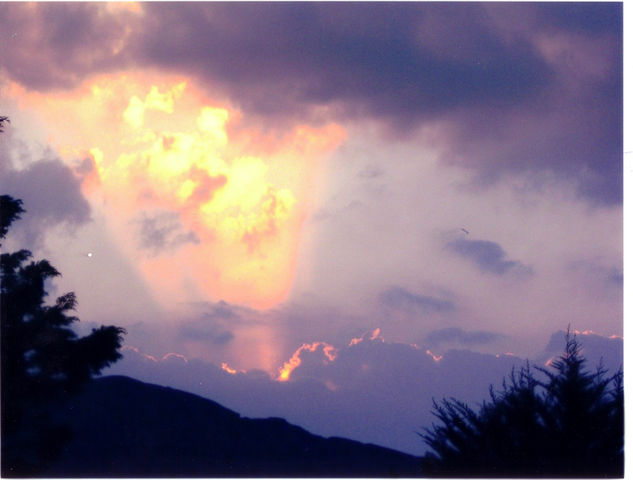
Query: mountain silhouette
122, 427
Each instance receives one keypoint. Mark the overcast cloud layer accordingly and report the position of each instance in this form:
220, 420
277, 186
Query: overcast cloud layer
540, 85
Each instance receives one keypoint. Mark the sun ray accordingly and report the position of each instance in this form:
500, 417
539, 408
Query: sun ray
159, 144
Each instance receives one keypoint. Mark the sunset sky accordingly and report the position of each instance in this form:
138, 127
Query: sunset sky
329, 212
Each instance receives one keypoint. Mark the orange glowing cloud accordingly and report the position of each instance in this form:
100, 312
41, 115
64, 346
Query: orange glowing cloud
436, 358
373, 335
138, 352
232, 371
176, 356
329, 353
154, 146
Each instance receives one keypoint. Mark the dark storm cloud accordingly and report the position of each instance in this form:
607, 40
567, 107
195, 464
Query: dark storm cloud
402, 61
482, 70
401, 299
456, 334
573, 128
161, 231
516, 88
488, 256
51, 194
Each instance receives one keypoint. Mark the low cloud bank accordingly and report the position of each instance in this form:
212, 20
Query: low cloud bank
370, 390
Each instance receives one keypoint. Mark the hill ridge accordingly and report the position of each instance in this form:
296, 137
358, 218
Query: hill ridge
123, 427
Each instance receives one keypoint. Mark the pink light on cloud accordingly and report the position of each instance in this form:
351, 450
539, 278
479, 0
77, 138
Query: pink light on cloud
329, 353
373, 335
225, 366
436, 358
145, 356
175, 356
184, 179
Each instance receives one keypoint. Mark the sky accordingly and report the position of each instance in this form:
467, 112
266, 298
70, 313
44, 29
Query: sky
328, 212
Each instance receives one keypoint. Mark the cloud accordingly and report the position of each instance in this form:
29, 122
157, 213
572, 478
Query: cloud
514, 90
214, 322
488, 256
326, 53
371, 390
237, 189
616, 277
598, 273
458, 335
319, 54
162, 230
597, 349
401, 299
51, 194
579, 17
223, 311
202, 331
371, 172
84, 167
79, 40
509, 89
328, 351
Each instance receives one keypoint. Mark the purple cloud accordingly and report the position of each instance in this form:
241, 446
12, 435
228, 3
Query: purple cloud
608, 276
458, 335
280, 57
528, 88
205, 332
51, 194
521, 80
401, 299
488, 256
65, 43
161, 231
373, 391
597, 349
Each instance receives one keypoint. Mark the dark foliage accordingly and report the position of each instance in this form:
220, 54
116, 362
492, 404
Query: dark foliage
570, 423
42, 357
2, 120
10, 210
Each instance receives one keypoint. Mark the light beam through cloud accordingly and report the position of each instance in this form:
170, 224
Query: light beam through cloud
239, 194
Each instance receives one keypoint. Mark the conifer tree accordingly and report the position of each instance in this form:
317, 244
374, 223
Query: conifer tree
42, 358
569, 423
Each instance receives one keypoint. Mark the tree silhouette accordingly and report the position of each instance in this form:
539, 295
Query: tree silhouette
42, 358
10, 210
569, 424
